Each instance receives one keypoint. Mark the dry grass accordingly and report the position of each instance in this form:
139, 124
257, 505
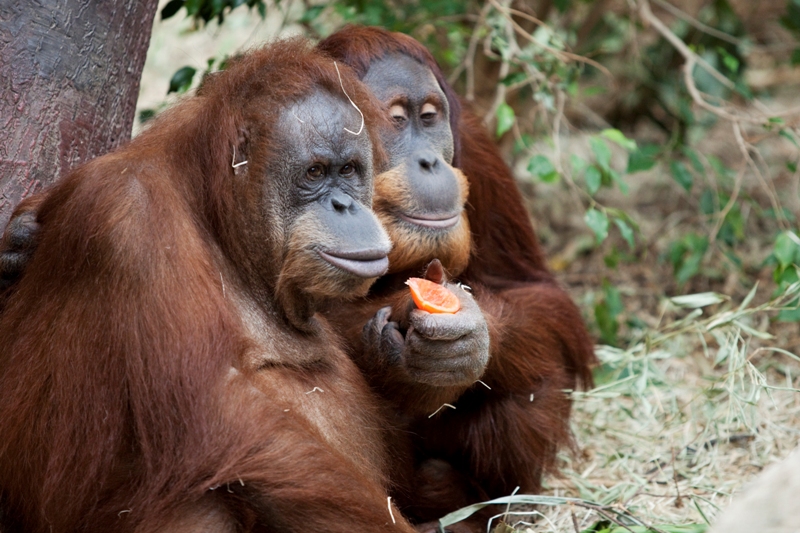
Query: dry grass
683, 422
679, 421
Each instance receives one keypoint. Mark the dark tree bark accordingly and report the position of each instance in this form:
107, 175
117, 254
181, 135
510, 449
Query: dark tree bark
69, 80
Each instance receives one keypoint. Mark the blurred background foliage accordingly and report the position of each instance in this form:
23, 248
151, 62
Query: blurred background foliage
656, 140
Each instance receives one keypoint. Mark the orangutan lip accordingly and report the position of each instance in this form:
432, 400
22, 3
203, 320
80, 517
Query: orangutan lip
433, 221
362, 263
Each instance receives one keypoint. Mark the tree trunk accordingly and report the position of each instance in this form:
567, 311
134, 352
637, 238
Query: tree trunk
69, 80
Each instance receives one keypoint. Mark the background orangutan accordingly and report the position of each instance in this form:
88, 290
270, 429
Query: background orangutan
505, 430
161, 368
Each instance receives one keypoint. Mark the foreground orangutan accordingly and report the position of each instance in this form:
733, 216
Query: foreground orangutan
162, 367
503, 431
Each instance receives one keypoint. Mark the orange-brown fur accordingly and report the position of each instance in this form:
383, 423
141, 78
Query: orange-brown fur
496, 438
148, 381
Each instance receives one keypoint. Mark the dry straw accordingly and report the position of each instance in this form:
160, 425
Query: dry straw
680, 420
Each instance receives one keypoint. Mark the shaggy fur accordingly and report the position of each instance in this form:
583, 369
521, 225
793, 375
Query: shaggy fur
149, 380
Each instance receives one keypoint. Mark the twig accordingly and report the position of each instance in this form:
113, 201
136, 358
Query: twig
677, 42
531, 18
389, 504
769, 185
351, 101
234, 164
440, 408
697, 24
574, 519
505, 66
744, 149
560, 101
468, 63
737, 185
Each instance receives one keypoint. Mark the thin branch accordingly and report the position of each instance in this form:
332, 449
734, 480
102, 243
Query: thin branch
737, 133
560, 100
697, 24
694, 92
468, 63
505, 67
766, 184
680, 46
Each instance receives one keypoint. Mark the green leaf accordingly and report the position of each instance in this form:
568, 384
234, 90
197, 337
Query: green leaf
312, 13
613, 298
146, 114
524, 142
642, 159
216, 7
791, 19
514, 77
719, 167
593, 178
181, 80
790, 315
694, 159
505, 118
786, 135
730, 61
785, 277
689, 268
616, 178
614, 135
626, 232
681, 175
172, 7
562, 5
598, 223
606, 323
686, 256
708, 202
541, 167
796, 57
192, 6
578, 164
601, 152
786, 249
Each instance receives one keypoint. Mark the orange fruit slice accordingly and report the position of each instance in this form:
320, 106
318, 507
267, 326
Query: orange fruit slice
432, 297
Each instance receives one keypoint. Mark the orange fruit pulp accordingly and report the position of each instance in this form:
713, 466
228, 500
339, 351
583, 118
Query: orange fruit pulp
432, 297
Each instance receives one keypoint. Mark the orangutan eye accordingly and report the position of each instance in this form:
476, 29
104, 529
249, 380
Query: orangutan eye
428, 113
347, 170
398, 113
315, 171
